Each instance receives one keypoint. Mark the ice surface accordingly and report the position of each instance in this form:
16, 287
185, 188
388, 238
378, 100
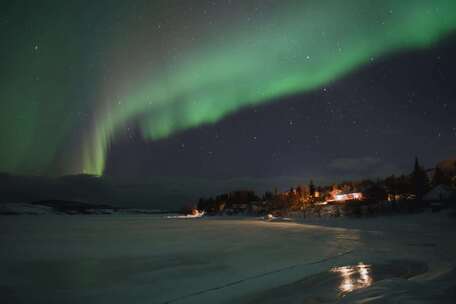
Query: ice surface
151, 259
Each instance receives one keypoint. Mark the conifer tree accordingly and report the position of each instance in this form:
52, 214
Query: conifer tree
311, 189
420, 180
440, 178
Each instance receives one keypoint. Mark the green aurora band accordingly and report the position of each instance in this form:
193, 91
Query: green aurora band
295, 47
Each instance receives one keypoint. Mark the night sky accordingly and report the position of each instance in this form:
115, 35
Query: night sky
226, 89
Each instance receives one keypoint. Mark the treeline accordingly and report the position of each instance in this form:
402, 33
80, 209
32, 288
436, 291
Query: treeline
404, 192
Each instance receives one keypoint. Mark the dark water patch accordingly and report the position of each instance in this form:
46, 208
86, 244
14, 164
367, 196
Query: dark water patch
330, 286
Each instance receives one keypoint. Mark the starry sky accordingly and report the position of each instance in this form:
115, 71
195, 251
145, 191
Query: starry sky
224, 89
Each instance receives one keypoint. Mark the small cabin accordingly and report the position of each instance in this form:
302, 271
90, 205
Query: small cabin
440, 193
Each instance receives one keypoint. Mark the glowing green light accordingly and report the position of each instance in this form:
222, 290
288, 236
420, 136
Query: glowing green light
305, 46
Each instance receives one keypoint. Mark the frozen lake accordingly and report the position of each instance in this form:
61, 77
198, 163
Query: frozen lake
149, 259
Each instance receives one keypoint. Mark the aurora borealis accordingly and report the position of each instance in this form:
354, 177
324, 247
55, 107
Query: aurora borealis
76, 78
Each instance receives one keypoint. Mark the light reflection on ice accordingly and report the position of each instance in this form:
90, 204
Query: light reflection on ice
353, 277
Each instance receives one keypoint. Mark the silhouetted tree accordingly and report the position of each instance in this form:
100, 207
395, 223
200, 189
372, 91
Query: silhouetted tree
311, 189
320, 190
403, 184
201, 204
420, 180
375, 192
299, 191
366, 184
268, 196
391, 185
453, 176
440, 177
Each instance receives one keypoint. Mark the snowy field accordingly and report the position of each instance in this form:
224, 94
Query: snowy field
149, 259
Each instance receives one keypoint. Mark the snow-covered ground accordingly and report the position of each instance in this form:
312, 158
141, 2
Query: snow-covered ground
24, 208
151, 259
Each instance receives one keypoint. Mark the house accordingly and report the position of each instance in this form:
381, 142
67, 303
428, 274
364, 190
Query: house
345, 197
439, 193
